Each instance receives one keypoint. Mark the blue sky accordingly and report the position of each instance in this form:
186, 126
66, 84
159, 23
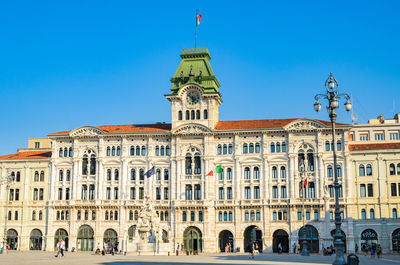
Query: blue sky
64, 64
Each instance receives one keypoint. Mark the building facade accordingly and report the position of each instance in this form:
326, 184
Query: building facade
96, 182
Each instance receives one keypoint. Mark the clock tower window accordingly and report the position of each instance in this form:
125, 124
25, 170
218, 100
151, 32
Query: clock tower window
192, 116
187, 115
198, 115
180, 115
205, 116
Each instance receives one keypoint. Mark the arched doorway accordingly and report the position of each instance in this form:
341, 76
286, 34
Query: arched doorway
280, 236
12, 239
396, 240
225, 237
309, 233
35, 240
85, 238
192, 240
343, 238
61, 234
252, 234
369, 238
110, 236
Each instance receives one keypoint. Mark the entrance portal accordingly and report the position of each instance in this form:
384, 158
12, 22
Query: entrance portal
61, 234
309, 233
12, 239
36, 240
280, 236
85, 238
252, 234
396, 240
192, 240
369, 238
225, 237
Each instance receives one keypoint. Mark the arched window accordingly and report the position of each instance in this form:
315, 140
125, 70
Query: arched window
60, 153
132, 150
330, 171
162, 150
166, 174
310, 158
278, 147
41, 175
256, 173
258, 148
118, 150
392, 169
92, 164
33, 215
225, 149
158, 174
133, 174
327, 146
106, 216
229, 173
36, 176
220, 216
167, 150
230, 151
188, 192
108, 174
143, 150
283, 146
157, 150
138, 150
184, 217
116, 174
70, 152
108, 151
130, 215
371, 214
398, 169
245, 150
180, 115
361, 170
136, 215
197, 114
363, 214
187, 115
272, 148
200, 216
61, 175
78, 215
251, 148
111, 215
225, 216
338, 171
247, 173
116, 215
65, 152
339, 145
113, 151
141, 174
219, 150
188, 163
205, 116
274, 172
394, 213
369, 170
166, 216
197, 164
85, 165
192, 115
283, 172
274, 216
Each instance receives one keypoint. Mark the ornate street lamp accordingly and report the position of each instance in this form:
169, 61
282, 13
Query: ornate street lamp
7, 181
332, 95
302, 170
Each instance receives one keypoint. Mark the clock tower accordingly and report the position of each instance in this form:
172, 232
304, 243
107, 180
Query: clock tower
194, 96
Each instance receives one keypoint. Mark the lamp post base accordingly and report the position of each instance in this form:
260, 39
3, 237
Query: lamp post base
304, 251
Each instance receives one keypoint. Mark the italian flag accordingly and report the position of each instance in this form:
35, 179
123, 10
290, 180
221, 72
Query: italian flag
217, 170
303, 184
198, 18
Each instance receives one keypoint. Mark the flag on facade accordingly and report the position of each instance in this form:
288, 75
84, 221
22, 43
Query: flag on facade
198, 19
150, 172
301, 185
217, 170
305, 182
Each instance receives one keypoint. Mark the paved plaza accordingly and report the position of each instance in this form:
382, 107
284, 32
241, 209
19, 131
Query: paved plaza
42, 258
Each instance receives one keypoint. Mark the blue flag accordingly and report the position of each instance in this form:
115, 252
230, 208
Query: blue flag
150, 172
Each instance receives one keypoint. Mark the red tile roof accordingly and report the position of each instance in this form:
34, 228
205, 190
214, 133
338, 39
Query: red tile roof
260, 124
27, 155
140, 128
221, 125
367, 147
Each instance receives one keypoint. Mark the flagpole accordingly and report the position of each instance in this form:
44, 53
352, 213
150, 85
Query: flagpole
195, 34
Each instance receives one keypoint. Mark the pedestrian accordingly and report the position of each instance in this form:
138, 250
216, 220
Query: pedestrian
298, 247
372, 253
356, 248
251, 250
58, 248
177, 249
62, 247
379, 251
230, 247
279, 248
78, 247
294, 247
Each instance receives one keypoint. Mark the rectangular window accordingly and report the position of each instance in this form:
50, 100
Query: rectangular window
307, 215
197, 192
393, 187
221, 193
60, 191
133, 193
364, 137
275, 192
299, 216
394, 136
37, 145
41, 191
283, 192
166, 193
256, 192
115, 193
331, 191
35, 194
247, 193
67, 193
229, 193
370, 190
379, 137
362, 190
91, 192
108, 193
316, 215
141, 193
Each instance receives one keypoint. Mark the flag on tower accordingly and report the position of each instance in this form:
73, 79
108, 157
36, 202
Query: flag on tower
198, 19
217, 170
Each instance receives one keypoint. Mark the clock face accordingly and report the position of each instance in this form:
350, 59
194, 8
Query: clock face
193, 97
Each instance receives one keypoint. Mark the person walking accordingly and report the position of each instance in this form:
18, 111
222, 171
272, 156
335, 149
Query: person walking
62, 247
379, 251
177, 249
58, 248
279, 248
251, 250
356, 248
294, 247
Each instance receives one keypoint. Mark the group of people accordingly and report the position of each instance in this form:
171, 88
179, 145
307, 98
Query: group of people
179, 248
329, 250
228, 247
374, 249
253, 249
60, 248
108, 248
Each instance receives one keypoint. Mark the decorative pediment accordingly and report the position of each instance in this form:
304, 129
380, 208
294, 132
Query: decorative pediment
304, 125
86, 131
191, 129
